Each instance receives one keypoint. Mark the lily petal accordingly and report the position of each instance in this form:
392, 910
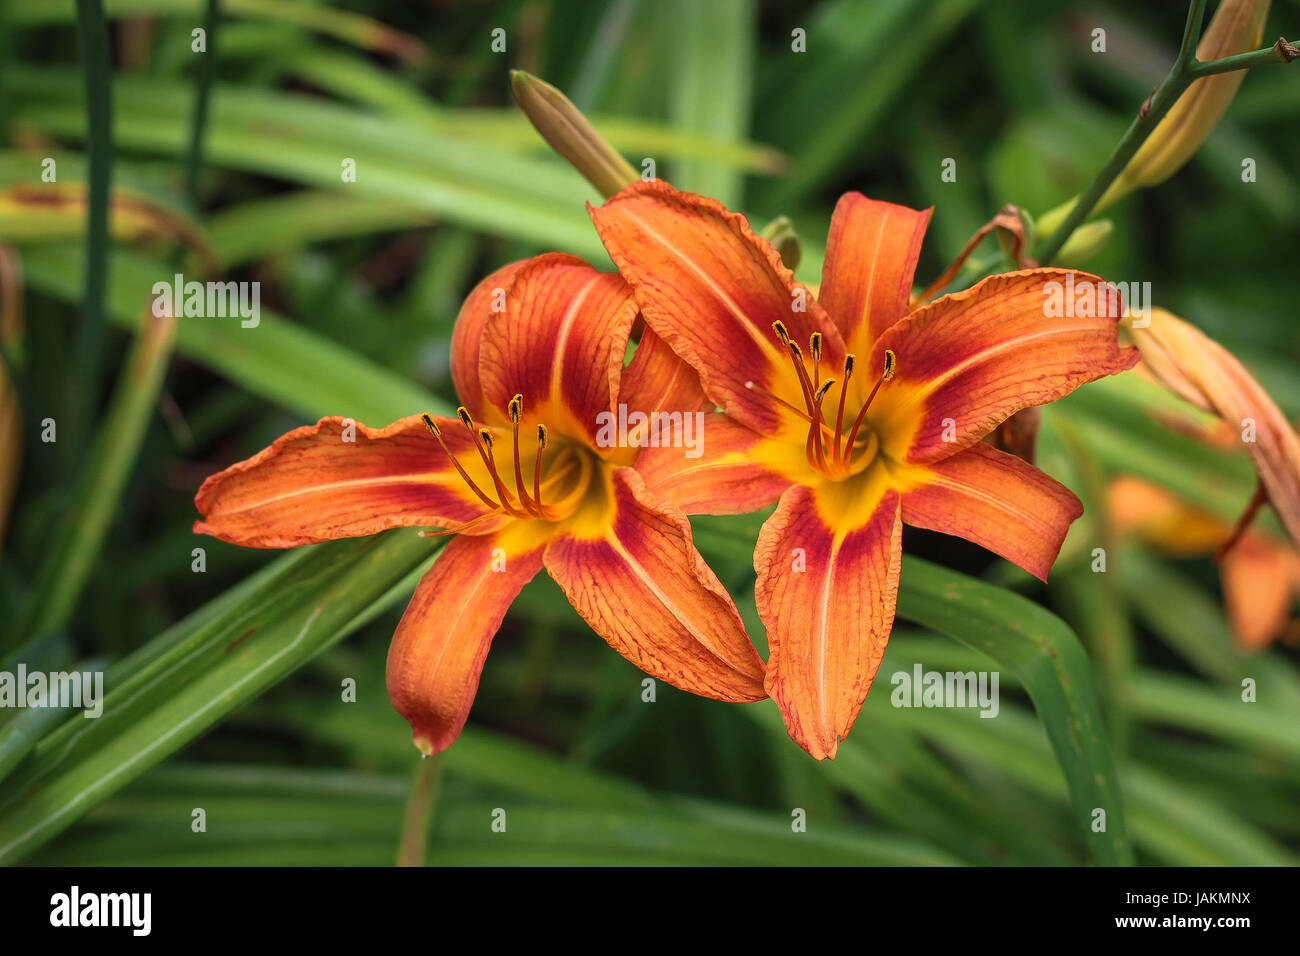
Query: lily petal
871, 256
968, 361
657, 379
998, 501
736, 471
644, 588
1206, 374
826, 592
712, 289
560, 343
1261, 579
437, 653
312, 485
467, 335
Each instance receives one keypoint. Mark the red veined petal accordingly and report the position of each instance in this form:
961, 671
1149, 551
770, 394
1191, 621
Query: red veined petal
466, 336
712, 289
311, 485
437, 653
733, 471
826, 591
560, 343
871, 258
643, 587
968, 361
998, 501
657, 379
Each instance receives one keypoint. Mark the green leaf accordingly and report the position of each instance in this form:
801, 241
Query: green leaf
186, 680
1047, 658
712, 48
283, 362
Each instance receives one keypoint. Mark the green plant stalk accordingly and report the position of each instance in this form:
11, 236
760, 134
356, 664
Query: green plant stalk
202, 95
92, 37
76, 545
200, 670
1045, 655
1113, 637
420, 807
1181, 75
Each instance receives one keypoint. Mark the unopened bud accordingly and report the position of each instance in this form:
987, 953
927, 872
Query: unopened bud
571, 134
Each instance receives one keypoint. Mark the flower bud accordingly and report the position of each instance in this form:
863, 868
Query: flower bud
1202, 371
1085, 242
571, 134
1237, 27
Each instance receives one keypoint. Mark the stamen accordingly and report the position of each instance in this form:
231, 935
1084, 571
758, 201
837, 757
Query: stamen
755, 387
515, 409
813, 447
483, 442
434, 430
885, 376
537, 470
779, 328
815, 347
839, 414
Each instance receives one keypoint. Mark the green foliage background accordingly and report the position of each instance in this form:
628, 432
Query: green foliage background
1120, 691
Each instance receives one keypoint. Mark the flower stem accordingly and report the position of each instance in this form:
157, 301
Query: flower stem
419, 813
1181, 75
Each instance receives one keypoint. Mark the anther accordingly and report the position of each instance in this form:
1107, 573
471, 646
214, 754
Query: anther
849, 361
779, 328
891, 362
815, 346
537, 471
515, 409
434, 430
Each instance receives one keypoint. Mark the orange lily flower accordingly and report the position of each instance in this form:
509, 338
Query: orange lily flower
879, 422
1260, 574
523, 480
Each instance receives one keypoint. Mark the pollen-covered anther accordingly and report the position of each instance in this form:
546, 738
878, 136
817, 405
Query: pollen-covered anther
779, 328
891, 365
515, 408
815, 346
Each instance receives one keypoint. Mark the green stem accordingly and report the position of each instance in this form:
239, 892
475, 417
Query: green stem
1181, 75
1166, 95
1242, 61
202, 96
92, 36
419, 813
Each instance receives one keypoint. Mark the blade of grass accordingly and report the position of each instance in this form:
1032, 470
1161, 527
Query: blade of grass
283, 362
206, 666
76, 544
92, 39
1047, 658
